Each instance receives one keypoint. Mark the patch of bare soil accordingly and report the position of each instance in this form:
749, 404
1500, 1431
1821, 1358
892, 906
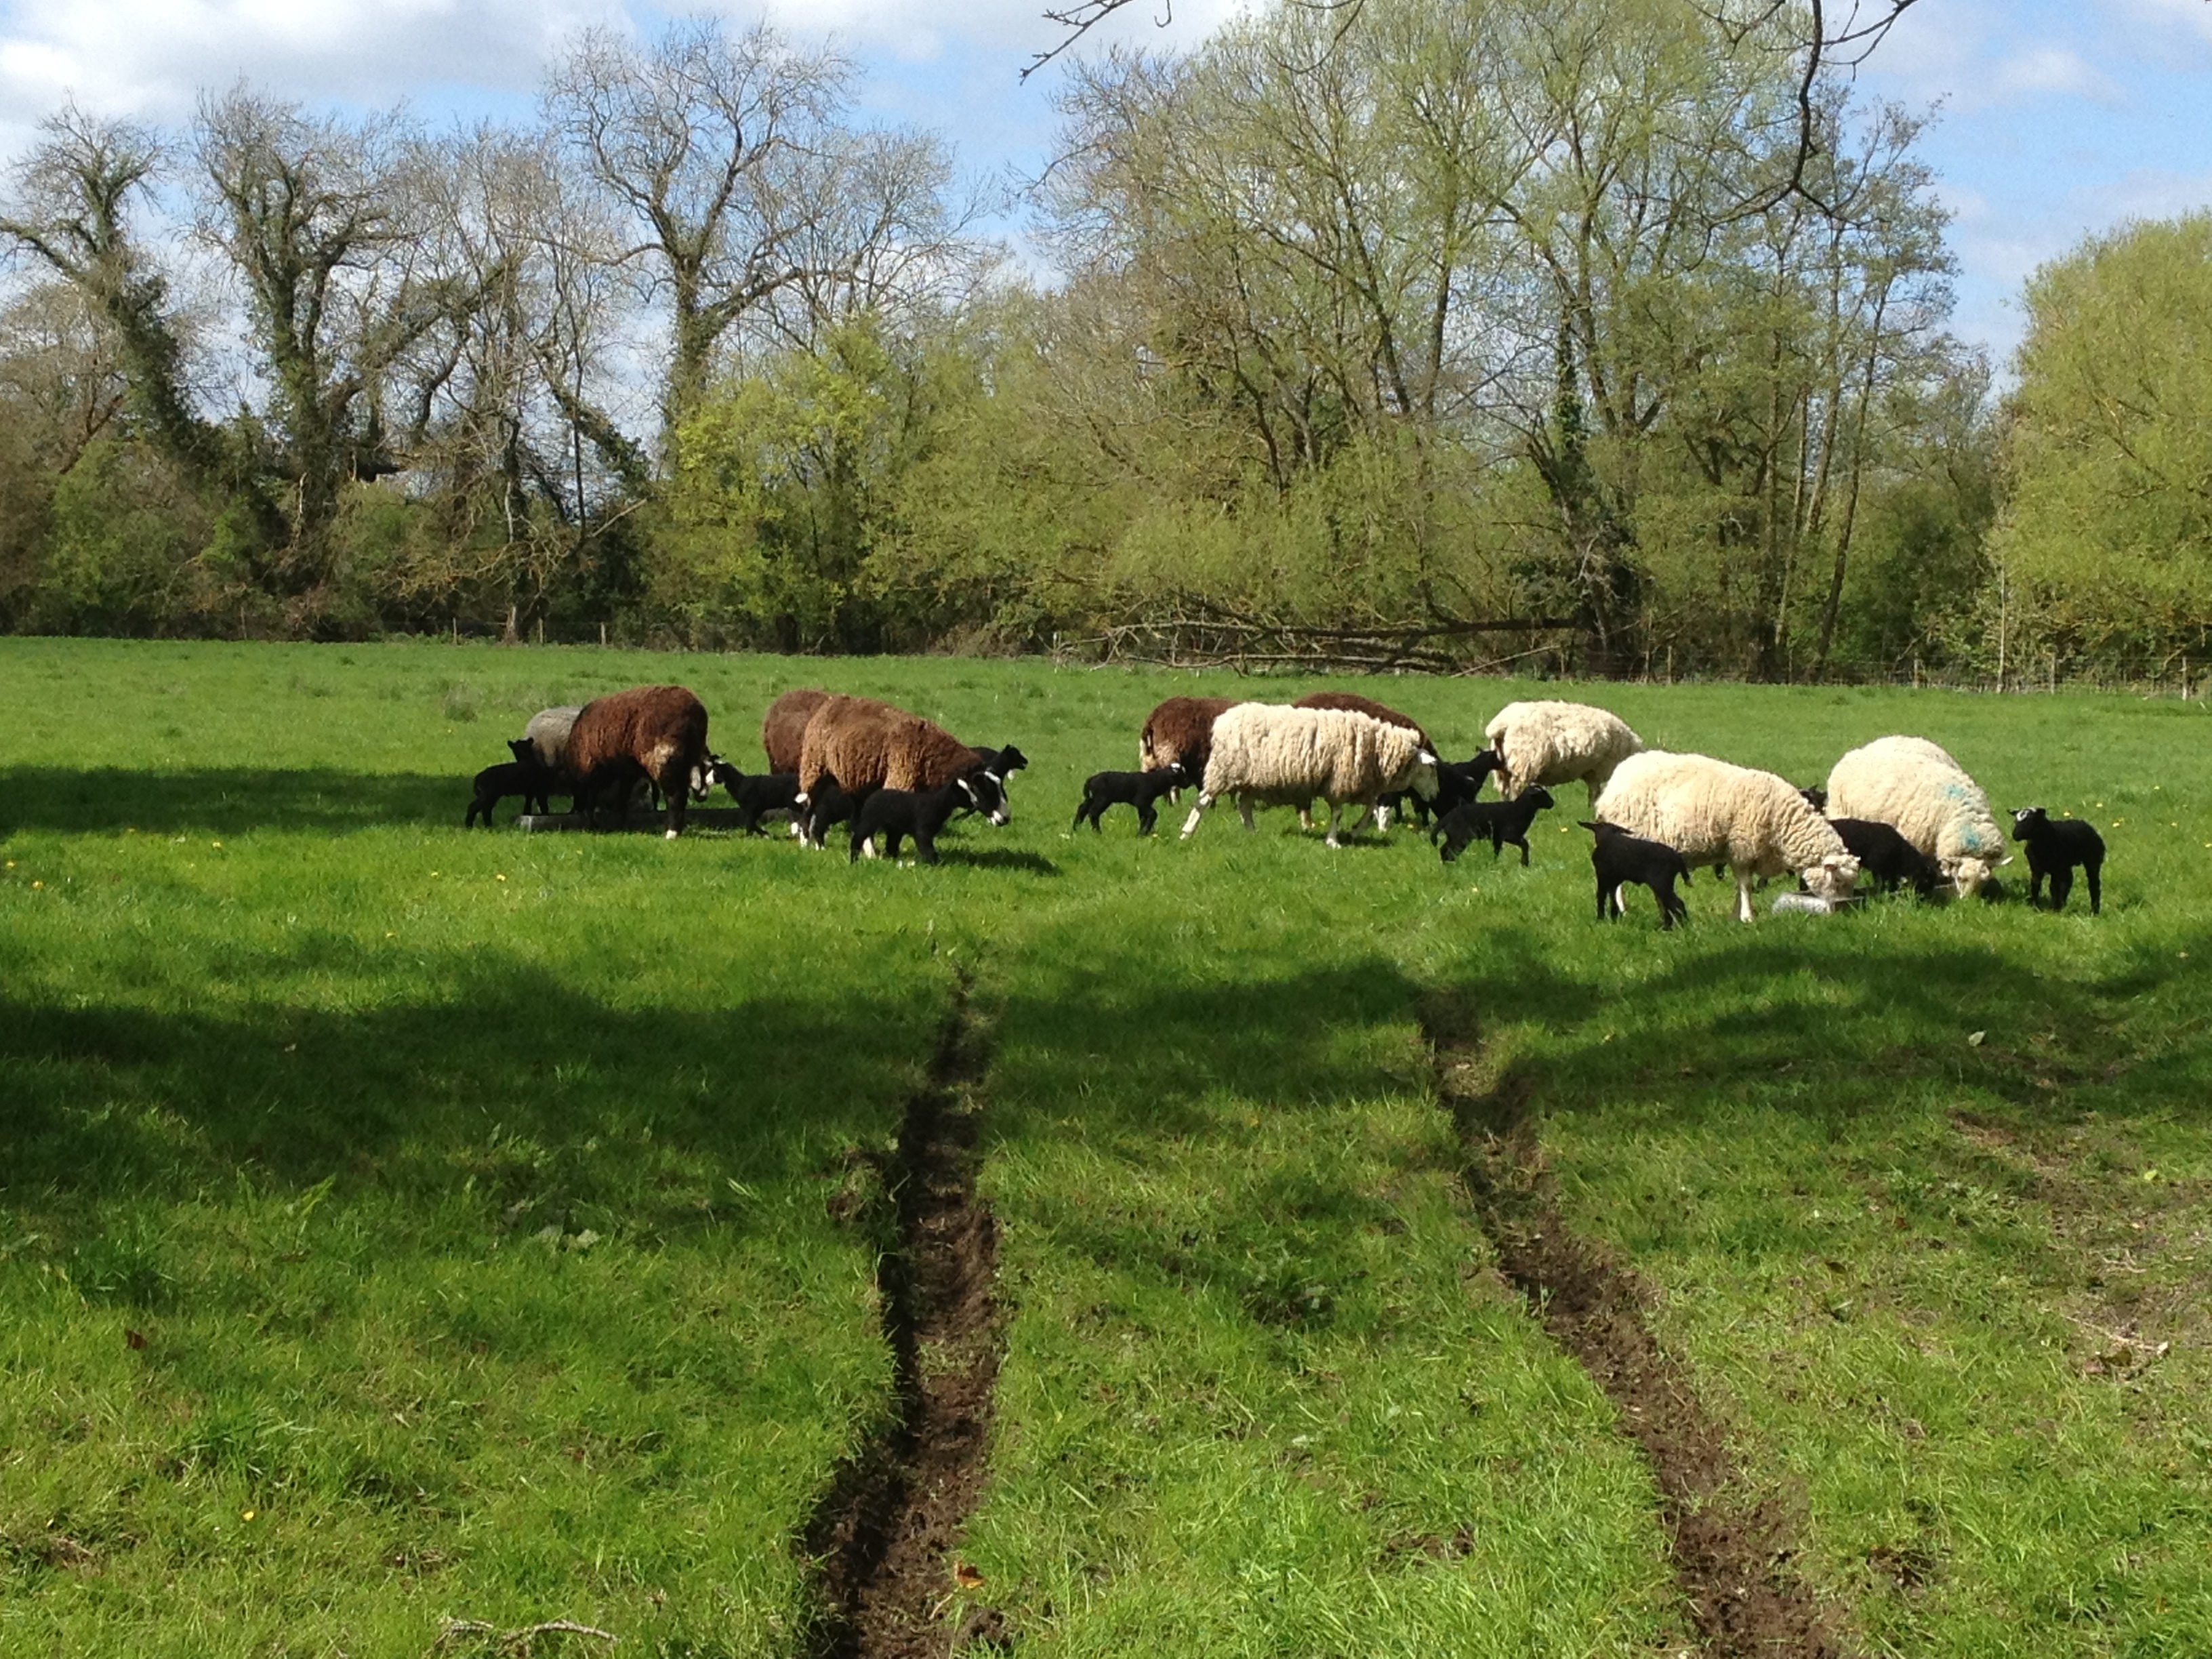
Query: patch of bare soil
1733, 1550
884, 1536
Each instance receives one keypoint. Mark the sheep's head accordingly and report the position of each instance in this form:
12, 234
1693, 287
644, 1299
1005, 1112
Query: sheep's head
1833, 878
1966, 875
1537, 796
1422, 779
2027, 821
987, 795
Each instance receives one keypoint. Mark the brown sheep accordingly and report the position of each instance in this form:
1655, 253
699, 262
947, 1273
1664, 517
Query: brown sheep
868, 745
783, 728
658, 732
1181, 729
1359, 705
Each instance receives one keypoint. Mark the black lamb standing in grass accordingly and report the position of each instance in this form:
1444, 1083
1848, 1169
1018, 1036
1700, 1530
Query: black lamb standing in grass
897, 813
544, 780
524, 779
1141, 790
1503, 822
1885, 858
1457, 783
829, 804
763, 794
2054, 847
1619, 859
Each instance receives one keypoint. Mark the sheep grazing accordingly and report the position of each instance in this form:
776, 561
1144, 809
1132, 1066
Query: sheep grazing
547, 734
1288, 756
895, 813
2054, 847
658, 732
783, 728
1141, 790
1396, 800
1916, 787
1504, 822
868, 745
1181, 729
1553, 743
1887, 858
1712, 812
1621, 859
761, 795
525, 778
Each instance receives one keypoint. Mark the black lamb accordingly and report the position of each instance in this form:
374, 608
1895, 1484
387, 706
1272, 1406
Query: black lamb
1619, 858
897, 813
763, 794
544, 780
2054, 847
1885, 858
1503, 821
1141, 790
494, 784
1457, 783
828, 805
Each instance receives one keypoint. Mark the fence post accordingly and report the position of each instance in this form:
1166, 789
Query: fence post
1916, 672
2050, 680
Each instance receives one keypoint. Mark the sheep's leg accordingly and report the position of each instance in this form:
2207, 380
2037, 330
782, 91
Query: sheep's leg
1604, 909
1244, 811
2095, 872
2062, 887
1305, 815
1197, 811
1743, 895
1336, 809
1524, 849
1352, 824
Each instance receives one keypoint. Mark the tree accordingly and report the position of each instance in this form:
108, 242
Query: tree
2108, 466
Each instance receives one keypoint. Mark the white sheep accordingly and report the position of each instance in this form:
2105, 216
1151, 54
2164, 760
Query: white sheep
1552, 742
1285, 757
548, 733
1916, 787
1712, 812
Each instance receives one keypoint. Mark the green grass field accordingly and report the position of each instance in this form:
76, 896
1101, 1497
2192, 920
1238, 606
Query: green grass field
404, 1230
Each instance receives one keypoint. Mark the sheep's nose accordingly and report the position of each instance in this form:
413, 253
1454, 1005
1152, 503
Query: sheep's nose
1001, 819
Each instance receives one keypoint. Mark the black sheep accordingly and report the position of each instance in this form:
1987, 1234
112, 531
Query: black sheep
1503, 821
897, 813
759, 795
1887, 858
1141, 790
829, 804
2054, 847
1457, 783
525, 779
1619, 858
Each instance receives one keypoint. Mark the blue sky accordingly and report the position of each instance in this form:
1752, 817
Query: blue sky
2057, 117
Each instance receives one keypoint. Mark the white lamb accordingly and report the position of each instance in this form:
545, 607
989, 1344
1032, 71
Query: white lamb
1551, 742
1913, 786
1270, 755
1712, 812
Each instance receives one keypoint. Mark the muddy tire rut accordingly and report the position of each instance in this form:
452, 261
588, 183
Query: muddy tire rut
884, 1538
1732, 1549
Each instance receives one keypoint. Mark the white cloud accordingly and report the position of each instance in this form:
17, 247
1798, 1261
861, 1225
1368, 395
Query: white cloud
2055, 69
149, 57
921, 31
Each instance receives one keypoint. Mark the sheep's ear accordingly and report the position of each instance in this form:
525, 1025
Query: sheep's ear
1424, 758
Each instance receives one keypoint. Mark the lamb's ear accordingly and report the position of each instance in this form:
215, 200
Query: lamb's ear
1587, 824
1424, 758
799, 800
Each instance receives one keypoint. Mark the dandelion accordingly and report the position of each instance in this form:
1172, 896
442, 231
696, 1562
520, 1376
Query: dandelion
499, 878
36, 885
248, 1515
217, 845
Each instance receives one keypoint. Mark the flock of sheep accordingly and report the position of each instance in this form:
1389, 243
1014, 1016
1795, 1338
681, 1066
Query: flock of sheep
1898, 810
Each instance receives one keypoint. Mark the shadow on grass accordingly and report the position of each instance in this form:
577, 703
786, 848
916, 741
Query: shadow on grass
508, 1082
228, 801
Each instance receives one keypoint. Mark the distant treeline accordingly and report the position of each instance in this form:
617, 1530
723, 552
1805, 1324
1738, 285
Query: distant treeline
1437, 332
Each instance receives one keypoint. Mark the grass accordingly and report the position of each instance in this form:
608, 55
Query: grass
486, 1208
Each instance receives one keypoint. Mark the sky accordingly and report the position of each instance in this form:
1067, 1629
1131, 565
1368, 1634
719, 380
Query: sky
2055, 118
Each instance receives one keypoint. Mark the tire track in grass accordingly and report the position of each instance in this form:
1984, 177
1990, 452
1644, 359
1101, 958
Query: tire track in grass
1732, 1549
884, 1536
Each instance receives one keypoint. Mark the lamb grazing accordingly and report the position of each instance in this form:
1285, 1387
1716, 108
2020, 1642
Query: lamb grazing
655, 731
1287, 757
1503, 822
1619, 859
764, 794
495, 783
1141, 790
545, 780
548, 733
783, 728
2054, 847
827, 806
1181, 729
895, 813
1887, 857
1915, 787
1712, 812
1552, 742
1815, 799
